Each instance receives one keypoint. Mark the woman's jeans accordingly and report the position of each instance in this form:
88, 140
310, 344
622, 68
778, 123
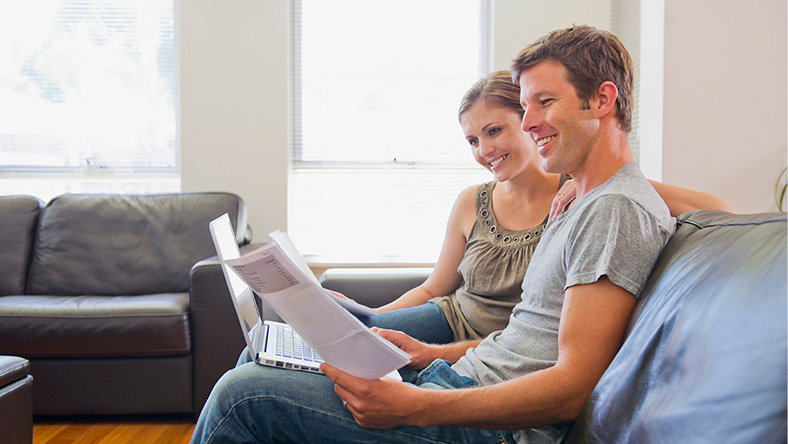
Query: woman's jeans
425, 322
254, 403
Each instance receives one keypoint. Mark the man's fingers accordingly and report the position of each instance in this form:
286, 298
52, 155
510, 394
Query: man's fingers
342, 381
390, 335
334, 374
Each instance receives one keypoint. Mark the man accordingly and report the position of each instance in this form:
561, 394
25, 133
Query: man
527, 382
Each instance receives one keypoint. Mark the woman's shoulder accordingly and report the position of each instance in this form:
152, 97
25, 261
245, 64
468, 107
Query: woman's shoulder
465, 207
475, 193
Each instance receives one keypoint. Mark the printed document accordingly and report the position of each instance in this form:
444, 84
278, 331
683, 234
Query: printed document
334, 333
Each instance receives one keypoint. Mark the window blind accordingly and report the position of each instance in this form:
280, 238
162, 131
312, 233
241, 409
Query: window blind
378, 156
87, 97
626, 25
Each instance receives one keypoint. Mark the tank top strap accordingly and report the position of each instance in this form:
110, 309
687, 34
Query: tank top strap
490, 229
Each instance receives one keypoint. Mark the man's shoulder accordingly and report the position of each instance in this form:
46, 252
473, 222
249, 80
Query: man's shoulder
629, 187
620, 229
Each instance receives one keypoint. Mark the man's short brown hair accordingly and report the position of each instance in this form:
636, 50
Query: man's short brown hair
591, 57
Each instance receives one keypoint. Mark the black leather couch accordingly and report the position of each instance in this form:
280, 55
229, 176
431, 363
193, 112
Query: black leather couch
16, 401
102, 295
704, 360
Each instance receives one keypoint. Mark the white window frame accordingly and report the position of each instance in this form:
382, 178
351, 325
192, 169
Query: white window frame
363, 245
23, 173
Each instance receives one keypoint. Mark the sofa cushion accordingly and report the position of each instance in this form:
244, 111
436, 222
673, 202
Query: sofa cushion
12, 369
125, 244
18, 221
705, 356
16, 400
95, 326
373, 287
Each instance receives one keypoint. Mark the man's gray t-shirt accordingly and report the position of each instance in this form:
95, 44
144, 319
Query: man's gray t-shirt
618, 230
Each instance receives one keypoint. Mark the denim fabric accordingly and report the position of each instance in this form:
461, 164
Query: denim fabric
425, 322
258, 404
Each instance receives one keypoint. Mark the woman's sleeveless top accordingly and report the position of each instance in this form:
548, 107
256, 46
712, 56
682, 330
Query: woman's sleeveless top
492, 269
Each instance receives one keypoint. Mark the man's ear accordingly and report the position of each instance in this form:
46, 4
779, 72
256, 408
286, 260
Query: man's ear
607, 93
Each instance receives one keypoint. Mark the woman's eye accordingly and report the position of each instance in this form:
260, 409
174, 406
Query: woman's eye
494, 131
473, 142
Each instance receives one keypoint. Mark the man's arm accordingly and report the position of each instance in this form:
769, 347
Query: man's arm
593, 321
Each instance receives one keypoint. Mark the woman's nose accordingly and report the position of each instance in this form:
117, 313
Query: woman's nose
485, 149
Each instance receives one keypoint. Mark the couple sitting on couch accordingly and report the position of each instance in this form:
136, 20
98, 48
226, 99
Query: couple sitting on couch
527, 348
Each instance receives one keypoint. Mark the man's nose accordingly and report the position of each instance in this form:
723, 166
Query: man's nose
530, 120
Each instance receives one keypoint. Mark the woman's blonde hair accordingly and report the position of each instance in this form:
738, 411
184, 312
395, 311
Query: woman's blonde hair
496, 89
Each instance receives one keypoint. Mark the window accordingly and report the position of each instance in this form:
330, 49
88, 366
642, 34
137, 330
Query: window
378, 156
87, 97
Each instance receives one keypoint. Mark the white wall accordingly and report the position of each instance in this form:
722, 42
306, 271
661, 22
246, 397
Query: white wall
234, 90
233, 119
724, 108
725, 99
517, 23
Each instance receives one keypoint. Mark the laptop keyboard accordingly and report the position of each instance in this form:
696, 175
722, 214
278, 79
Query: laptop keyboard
290, 345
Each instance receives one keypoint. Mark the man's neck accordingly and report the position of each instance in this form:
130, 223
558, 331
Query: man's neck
607, 156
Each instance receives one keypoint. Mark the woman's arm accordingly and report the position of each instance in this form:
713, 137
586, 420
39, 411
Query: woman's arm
679, 200
444, 278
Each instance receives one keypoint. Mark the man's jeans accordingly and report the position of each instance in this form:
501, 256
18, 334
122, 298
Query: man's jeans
255, 403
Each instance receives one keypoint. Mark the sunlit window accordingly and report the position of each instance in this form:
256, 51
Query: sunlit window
378, 154
87, 97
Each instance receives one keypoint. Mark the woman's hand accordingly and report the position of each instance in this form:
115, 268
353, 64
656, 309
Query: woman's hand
339, 295
565, 195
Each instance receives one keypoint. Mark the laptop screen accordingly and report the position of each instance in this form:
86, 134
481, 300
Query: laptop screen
227, 248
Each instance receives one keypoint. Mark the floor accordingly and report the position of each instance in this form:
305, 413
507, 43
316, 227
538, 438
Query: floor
160, 429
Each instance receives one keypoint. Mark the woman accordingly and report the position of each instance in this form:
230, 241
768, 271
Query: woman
493, 228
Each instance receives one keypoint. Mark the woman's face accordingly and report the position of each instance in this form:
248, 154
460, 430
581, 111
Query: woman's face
497, 140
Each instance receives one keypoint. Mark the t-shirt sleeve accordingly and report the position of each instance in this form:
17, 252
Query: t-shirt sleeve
615, 237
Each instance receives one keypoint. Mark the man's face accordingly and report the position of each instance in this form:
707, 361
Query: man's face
563, 127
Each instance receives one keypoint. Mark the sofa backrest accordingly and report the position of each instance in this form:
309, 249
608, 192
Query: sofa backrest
18, 221
705, 356
101, 244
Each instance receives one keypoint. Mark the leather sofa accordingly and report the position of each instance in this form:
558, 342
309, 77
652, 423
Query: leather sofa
704, 360
99, 293
16, 401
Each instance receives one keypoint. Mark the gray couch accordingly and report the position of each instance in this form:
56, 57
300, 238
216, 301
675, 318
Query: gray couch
704, 360
105, 296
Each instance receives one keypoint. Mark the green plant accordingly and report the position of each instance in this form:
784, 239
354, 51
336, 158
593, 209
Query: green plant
780, 189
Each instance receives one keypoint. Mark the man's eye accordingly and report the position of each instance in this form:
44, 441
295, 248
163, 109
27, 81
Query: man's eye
546, 101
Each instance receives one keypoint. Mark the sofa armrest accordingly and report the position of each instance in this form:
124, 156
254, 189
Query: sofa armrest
217, 340
373, 287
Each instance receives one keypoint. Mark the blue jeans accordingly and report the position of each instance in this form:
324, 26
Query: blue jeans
258, 404
425, 322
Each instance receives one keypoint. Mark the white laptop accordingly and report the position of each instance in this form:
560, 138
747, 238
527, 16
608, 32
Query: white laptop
270, 343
